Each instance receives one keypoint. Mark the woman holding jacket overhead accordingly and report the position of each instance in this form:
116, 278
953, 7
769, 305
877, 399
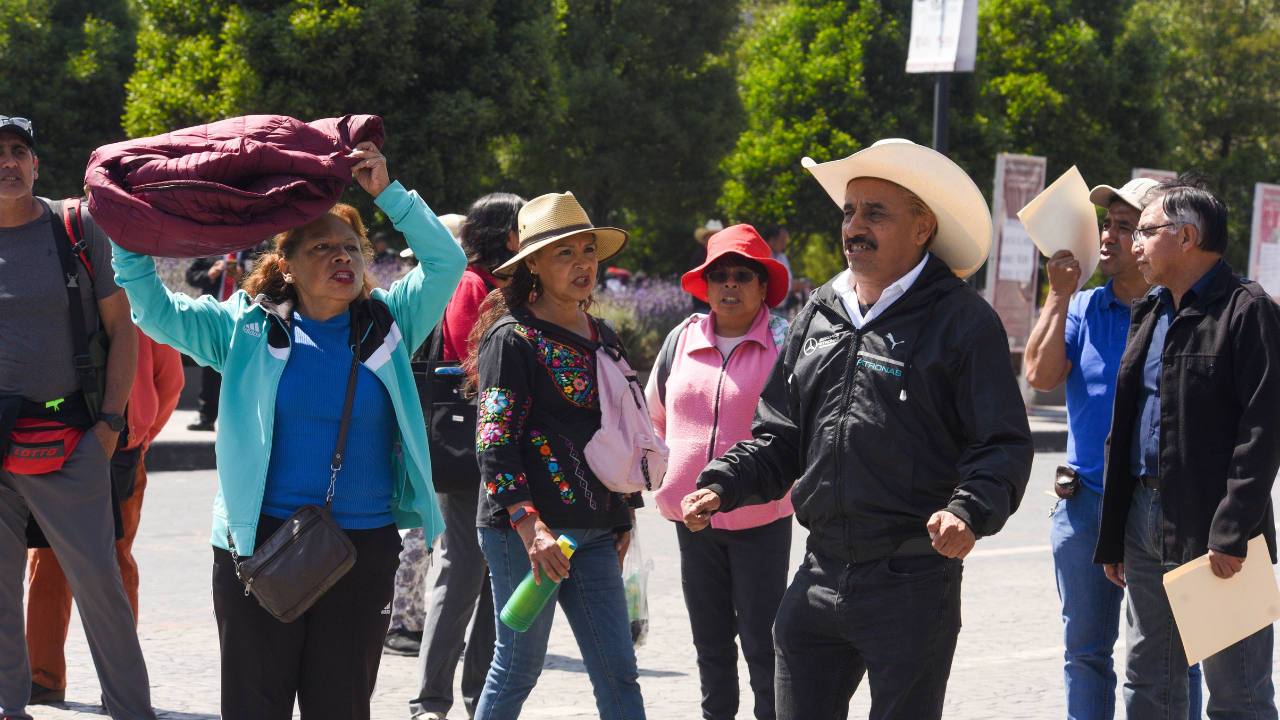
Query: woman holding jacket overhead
539, 406
285, 346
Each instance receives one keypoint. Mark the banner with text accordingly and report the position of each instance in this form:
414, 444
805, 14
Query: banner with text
944, 36
1012, 284
1264, 240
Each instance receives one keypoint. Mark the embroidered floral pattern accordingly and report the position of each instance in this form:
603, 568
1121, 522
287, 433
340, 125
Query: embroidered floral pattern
572, 370
553, 466
505, 481
577, 470
501, 418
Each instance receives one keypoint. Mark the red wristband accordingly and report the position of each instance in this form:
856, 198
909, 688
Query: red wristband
520, 514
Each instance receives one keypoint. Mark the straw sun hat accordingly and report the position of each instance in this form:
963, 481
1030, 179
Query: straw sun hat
548, 218
964, 221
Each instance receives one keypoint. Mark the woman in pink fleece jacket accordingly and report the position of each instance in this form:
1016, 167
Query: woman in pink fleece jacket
710, 373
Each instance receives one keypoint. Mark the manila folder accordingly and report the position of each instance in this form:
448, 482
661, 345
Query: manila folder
1213, 613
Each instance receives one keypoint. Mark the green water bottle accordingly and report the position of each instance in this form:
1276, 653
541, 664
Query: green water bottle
529, 599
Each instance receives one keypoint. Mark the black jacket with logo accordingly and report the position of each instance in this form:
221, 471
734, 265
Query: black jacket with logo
1219, 423
916, 412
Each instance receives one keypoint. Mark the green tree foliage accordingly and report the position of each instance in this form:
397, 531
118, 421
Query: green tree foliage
1224, 98
1076, 81
63, 64
447, 76
645, 106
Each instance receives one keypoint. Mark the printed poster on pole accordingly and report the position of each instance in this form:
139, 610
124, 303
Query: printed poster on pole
1013, 268
1264, 240
944, 36
1157, 175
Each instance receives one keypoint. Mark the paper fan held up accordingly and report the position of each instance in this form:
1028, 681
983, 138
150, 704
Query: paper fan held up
223, 187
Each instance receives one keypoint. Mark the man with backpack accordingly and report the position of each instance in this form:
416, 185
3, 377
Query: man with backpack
63, 389
894, 410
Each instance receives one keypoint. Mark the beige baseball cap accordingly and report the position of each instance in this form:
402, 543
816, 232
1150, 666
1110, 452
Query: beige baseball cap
1133, 193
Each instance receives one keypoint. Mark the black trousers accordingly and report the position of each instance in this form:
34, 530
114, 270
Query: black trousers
895, 620
328, 658
733, 581
210, 386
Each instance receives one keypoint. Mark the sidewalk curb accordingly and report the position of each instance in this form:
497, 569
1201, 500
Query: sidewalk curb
186, 455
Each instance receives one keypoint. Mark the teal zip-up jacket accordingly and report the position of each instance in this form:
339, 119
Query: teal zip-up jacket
248, 341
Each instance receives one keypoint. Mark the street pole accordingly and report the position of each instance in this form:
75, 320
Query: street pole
941, 104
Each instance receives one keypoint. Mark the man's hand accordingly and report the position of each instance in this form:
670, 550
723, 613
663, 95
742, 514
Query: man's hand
107, 437
697, 507
1064, 273
235, 271
1225, 566
215, 271
371, 171
951, 536
1115, 573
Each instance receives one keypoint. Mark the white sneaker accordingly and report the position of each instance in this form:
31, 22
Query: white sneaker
430, 715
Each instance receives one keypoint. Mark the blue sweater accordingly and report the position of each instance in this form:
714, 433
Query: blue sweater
308, 412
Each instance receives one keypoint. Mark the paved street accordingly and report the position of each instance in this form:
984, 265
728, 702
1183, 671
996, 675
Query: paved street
1008, 664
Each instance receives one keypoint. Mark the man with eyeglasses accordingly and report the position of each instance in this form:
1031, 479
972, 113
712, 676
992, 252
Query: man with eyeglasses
69, 495
1079, 340
1193, 451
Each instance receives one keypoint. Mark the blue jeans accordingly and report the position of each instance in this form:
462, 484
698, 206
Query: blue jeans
1239, 677
1091, 613
595, 604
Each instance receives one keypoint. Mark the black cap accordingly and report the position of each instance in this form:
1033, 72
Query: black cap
21, 126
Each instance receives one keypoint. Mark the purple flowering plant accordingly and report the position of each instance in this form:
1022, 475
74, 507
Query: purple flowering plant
644, 313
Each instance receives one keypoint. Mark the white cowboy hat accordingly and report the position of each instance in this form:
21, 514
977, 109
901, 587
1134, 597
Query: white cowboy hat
711, 228
452, 221
553, 216
964, 220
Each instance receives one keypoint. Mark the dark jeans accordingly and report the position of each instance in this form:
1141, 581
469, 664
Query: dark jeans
462, 594
733, 582
328, 658
895, 619
1091, 613
210, 386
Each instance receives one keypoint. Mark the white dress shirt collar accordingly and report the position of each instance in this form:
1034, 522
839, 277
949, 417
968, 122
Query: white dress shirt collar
849, 296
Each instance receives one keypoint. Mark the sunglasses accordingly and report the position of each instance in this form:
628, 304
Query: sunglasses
23, 123
740, 276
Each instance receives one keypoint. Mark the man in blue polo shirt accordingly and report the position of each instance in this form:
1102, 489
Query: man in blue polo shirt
1079, 339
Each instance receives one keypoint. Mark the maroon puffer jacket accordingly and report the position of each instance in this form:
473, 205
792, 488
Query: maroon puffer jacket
223, 187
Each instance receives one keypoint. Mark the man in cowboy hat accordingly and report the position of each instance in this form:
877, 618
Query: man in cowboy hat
896, 407
1079, 339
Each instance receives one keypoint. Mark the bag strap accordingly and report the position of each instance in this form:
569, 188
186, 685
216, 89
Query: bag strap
62, 233
667, 357
340, 447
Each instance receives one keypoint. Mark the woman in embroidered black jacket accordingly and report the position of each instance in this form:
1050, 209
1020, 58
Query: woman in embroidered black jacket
538, 408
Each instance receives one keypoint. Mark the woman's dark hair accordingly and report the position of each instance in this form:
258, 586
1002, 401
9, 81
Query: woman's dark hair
729, 260
485, 232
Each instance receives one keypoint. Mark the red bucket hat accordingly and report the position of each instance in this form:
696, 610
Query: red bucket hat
745, 241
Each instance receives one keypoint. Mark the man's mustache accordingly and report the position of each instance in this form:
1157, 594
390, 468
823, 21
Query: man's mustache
862, 240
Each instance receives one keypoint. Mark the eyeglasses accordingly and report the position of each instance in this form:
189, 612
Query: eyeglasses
23, 123
1143, 234
742, 277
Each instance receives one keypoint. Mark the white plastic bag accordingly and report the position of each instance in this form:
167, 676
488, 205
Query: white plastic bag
635, 579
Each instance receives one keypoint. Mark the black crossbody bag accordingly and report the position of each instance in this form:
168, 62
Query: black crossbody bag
450, 416
309, 553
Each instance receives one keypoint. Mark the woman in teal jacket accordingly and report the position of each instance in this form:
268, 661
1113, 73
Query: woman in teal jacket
282, 344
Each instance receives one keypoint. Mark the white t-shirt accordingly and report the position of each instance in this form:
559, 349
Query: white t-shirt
726, 344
